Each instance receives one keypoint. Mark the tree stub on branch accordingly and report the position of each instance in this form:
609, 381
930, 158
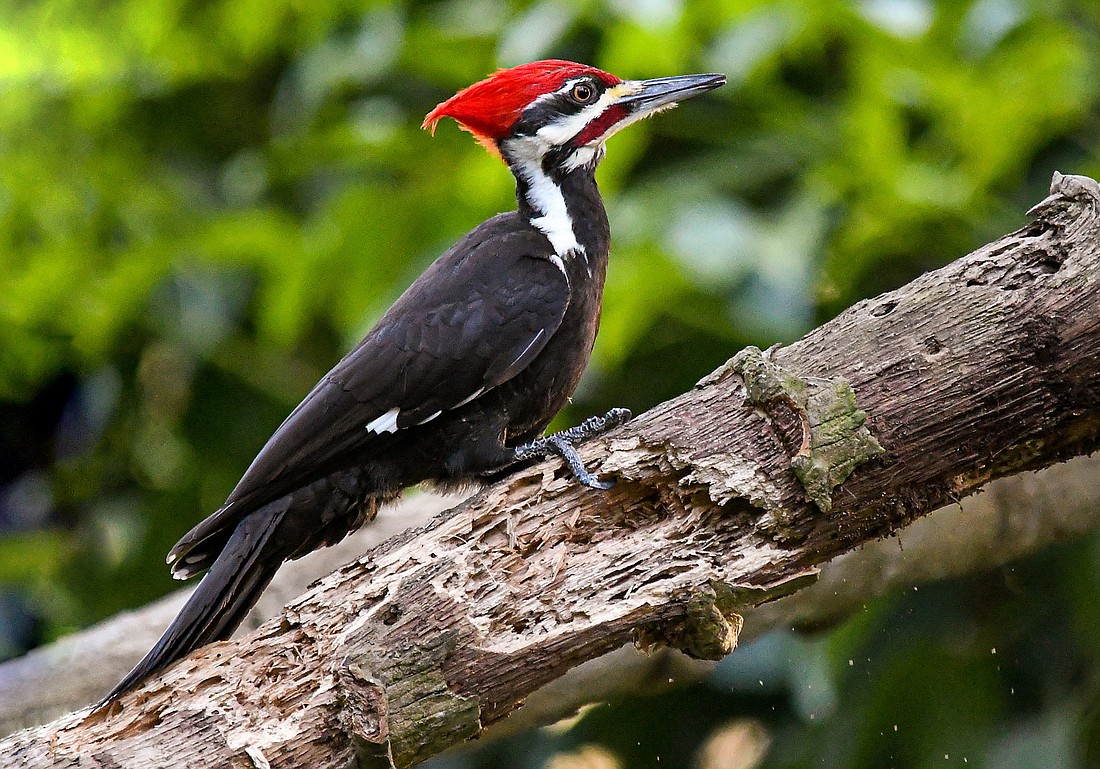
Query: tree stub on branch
727, 496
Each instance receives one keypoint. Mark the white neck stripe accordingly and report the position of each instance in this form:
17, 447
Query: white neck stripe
566, 128
546, 198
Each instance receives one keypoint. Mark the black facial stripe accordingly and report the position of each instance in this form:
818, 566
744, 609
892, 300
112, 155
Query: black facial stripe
553, 162
543, 113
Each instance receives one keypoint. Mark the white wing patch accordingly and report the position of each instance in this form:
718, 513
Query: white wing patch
429, 418
387, 423
478, 392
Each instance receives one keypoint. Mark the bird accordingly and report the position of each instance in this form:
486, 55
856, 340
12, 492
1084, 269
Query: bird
458, 380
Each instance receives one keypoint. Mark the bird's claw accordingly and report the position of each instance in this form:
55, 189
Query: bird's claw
563, 444
563, 448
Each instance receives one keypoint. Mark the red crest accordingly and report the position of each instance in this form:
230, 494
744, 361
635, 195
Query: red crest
490, 107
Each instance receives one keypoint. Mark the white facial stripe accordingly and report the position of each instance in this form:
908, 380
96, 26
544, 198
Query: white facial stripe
565, 129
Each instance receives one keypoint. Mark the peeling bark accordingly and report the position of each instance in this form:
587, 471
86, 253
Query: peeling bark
728, 495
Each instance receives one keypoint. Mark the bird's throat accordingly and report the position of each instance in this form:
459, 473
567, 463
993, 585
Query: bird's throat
564, 205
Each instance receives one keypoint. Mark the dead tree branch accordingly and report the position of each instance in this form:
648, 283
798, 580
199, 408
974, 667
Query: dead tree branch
728, 496
1012, 518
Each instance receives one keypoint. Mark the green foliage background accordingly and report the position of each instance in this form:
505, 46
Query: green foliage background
202, 205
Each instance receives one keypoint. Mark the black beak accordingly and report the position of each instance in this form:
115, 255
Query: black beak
662, 92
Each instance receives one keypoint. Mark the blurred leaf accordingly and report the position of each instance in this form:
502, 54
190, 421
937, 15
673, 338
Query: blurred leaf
33, 557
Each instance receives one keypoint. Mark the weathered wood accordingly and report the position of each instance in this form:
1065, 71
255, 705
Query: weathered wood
1012, 518
79, 669
727, 496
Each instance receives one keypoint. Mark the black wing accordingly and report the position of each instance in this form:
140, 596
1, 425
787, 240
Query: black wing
472, 321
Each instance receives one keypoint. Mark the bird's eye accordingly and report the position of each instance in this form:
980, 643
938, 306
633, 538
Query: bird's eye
582, 93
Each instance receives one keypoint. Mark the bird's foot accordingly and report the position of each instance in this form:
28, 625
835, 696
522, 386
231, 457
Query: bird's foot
563, 444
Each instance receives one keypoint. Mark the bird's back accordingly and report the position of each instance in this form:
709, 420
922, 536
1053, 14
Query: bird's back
489, 342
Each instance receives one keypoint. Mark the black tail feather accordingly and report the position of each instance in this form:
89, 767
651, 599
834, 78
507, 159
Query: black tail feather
222, 599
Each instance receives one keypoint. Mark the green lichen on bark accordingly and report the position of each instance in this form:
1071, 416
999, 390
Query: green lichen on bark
424, 716
706, 631
712, 621
765, 382
709, 633
834, 438
839, 442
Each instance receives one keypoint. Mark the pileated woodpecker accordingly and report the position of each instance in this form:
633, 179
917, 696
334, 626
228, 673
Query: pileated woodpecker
459, 378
